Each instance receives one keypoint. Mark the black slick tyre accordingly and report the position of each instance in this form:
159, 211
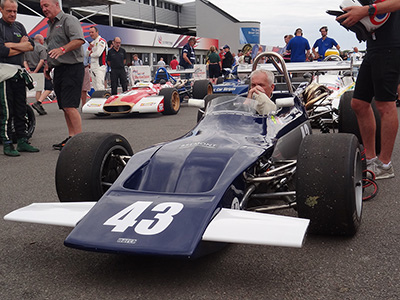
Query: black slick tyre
202, 88
172, 101
89, 164
348, 120
329, 183
220, 80
101, 94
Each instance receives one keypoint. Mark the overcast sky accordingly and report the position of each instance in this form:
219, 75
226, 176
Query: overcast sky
280, 17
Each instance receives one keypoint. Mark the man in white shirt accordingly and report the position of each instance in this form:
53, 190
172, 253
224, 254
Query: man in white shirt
98, 58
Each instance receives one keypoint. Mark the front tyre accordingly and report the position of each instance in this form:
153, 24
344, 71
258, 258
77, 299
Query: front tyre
202, 88
172, 101
329, 183
89, 164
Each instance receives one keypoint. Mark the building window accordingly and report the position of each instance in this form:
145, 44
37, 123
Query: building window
159, 4
167, 5
146, 2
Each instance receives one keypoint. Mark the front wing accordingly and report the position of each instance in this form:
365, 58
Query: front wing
228, 225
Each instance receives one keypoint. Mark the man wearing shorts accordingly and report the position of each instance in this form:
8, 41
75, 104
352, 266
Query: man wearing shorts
65, 56
34, 63
378, 77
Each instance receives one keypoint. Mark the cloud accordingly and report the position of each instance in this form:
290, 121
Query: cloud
279, 17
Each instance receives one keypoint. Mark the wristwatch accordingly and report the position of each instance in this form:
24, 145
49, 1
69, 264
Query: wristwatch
372, 10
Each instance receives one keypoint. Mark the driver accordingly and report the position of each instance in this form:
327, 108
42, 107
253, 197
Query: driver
261, 88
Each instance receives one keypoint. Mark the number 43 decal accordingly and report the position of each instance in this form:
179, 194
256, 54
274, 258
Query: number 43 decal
130, 215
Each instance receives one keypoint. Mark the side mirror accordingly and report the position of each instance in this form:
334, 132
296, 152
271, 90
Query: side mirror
284, 102
199, 103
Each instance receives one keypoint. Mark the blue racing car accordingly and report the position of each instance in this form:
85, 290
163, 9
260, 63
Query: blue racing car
217, 184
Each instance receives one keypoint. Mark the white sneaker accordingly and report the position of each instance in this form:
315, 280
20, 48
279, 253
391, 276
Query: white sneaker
379, 170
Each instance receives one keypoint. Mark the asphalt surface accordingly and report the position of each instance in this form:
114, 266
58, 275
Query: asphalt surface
34, 263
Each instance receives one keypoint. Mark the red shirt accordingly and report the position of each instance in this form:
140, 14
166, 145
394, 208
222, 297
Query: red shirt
173, 64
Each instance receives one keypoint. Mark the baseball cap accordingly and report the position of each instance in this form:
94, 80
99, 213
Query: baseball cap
226, 46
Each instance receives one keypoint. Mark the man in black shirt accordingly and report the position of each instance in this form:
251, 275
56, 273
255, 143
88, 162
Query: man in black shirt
116, 59
378, 77
13, 43
227, 61
188, 57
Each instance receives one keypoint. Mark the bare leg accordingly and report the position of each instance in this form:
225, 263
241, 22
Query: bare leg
83, 97
44, 95
73, 119
367, 124
37, 96
389, 128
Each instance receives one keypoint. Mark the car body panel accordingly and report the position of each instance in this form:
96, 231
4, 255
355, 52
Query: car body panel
172, 197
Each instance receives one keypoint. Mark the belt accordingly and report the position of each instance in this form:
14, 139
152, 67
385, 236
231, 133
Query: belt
213, 63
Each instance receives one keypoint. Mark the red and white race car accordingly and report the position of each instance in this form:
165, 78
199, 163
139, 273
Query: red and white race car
145, 97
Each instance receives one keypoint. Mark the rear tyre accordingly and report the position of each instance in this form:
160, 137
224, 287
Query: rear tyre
348, 120
172, 101
101, 94
202, 88
30, 121
220, 80
329, 183
89, 164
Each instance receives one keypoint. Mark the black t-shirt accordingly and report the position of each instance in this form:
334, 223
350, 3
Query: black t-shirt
116, 58
388, 35
190, 54
11, 33
227, 62
247, 59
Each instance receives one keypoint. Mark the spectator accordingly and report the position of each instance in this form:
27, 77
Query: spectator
86, 77
174, 63
324, 43
34, 63
137, 61
65, 56
247, 58
263, 59
98, 54
357, 55
107, 80
227, 62
299, 47
240, 57
188, 58
284, 52
378, 78
13, 43
214, 69
116, 59
161, 62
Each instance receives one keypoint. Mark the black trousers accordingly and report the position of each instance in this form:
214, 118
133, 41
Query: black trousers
118, 74
12, 108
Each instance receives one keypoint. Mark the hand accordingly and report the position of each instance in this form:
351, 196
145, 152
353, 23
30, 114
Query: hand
24, 39
256, 91
353, 15
55, 53
47, 72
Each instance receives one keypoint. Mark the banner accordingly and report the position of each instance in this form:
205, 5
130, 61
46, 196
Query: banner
249, 35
